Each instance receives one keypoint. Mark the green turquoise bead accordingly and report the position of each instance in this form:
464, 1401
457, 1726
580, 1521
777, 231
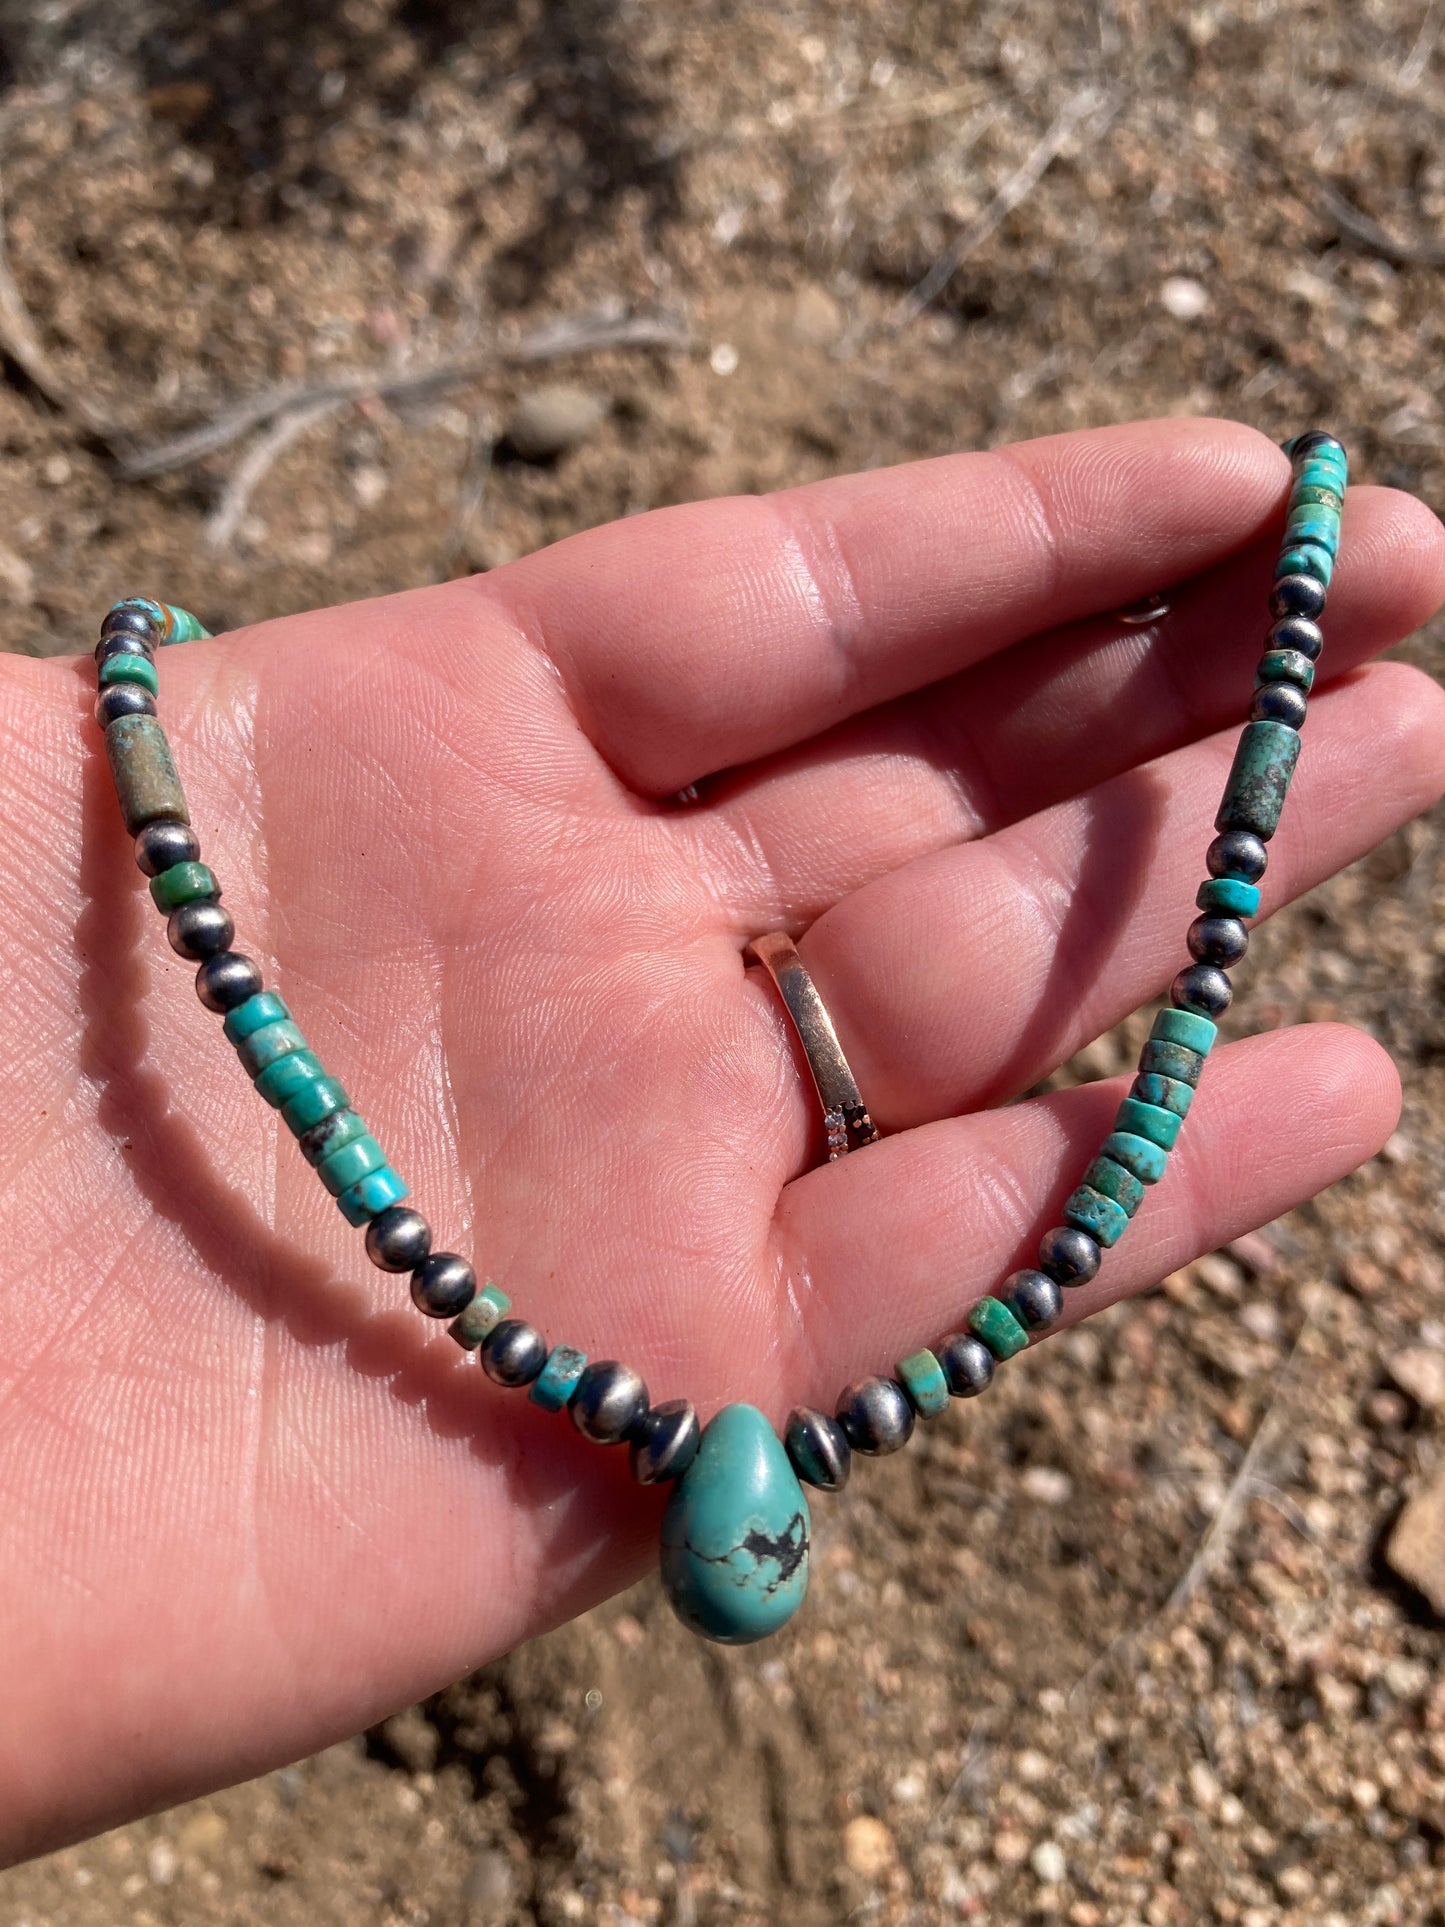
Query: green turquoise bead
154, 612
374, 1193
1316, 495
1089, 1210
1228, 897
317, 1098
1264, 762
181, 625
1305, 558
1285, 665
1137, 1118
921, 1376
1171, 1060
139, 669
557, 1380
182, 883
264, 1008
264, 1046
144, 772
1140, 1156
280, 1082
345, 1166
736, 1533
481, 1317
993, 1322
1184, 1027
1116, 1182
1164, 1093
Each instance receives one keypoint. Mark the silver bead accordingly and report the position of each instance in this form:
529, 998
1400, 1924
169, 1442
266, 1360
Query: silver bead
610, 1400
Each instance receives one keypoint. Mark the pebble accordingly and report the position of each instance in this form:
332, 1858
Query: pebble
162, 1861
489, 1882
368, 484
1048, 1863
548, 421
1417, 1545
1419, 1372
1184, 298
817, 318
201, 1831
413, 1739
1047, 1484
868, 1847
724, 359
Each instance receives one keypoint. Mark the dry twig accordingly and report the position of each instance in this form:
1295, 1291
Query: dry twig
249, 472
1359, 227
1089, 103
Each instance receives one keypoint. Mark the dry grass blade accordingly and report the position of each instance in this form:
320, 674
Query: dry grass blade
1089, 103
20, 342
256, 463
1359, 227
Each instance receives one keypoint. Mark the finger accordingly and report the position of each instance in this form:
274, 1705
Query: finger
702, 636
966, 976
889, 1248
1044, 720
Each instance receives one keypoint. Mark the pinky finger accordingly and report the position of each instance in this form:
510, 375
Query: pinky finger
893, 1246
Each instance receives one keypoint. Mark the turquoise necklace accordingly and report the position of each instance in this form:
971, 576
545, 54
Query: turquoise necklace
736, 1529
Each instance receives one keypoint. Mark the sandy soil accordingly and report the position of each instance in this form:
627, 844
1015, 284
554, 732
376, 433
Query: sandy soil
999, 1704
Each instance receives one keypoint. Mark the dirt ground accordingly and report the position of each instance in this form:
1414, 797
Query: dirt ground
1127, 1648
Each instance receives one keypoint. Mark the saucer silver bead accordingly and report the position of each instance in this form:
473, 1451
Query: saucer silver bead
664, 1443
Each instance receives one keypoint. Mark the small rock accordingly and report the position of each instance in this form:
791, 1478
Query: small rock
1203, 1787
547, 421
290, 1784
1255, 1252
1047, 1484
1048, 1863
1420, 1374
1184, 298
368, 484
489, 1882
413, 1739
868, 1847
1033, 1767
724, 359
1010, 1848
201, 1832
1217, 1274
1407, 1679
1417, 1545
162, 1861
17, 578
817, 318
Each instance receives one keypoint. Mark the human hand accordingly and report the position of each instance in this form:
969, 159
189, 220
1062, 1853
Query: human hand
252, 1501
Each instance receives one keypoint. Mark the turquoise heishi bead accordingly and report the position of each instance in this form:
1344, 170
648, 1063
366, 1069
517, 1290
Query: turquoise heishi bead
1089, 1210
1140, 1119
1114, 1181
372, 1194
182, 883
264, 1008
1171, 1060
1316, 495
342, 1168
921, 1376
129, 669
1305, 558
482, 1315
1285, 665
736, 1533
1228, 897
342, 1127
182, 626
1163, 1093
993, 1322
557, 1380
1184, 1027
315, 1100
1140, 1156
1259, 779
1307, 524
155, 610
268, 1043
280, 1082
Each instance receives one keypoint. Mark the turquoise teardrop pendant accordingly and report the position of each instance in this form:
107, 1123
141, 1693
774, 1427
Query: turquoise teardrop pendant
736, 1532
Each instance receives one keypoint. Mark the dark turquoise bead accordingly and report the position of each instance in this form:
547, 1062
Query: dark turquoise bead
993, 1322
1259, 779
1115, 1182
342, 1127
557, 1380
1089, 1210
316, 1099
1171, 1060
1305, 558
1165, 1093
1285, 665
1140, 1156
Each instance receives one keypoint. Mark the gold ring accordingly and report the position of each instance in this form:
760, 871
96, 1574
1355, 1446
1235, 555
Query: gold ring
845, 1114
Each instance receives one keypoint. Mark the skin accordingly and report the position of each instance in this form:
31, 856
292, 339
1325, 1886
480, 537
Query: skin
250, 1500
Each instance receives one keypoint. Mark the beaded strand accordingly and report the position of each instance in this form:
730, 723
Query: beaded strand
607, 1400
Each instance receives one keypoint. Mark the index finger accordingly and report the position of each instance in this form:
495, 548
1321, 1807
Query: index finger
699, 637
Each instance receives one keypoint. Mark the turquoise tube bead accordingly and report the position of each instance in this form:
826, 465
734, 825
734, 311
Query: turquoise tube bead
264, 1046
1264, 762
1140, 1156
993, 1322
348, 1164
1171, 1060
182, 883
482, 1315
1184, 1027
1114, 1181
1137, 1118
144, 772
317, 1098
264, 1008
922, 1377
1305, 558
1285, 665
138, 669
1308, 524
736, 1533
1165, 1093
1089, 1210
280, 1082
1228, 897
557, 1380
372, 1194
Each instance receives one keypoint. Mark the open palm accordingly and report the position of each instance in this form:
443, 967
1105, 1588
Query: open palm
251, 1501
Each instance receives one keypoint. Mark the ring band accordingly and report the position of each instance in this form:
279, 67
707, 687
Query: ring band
845, 1114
